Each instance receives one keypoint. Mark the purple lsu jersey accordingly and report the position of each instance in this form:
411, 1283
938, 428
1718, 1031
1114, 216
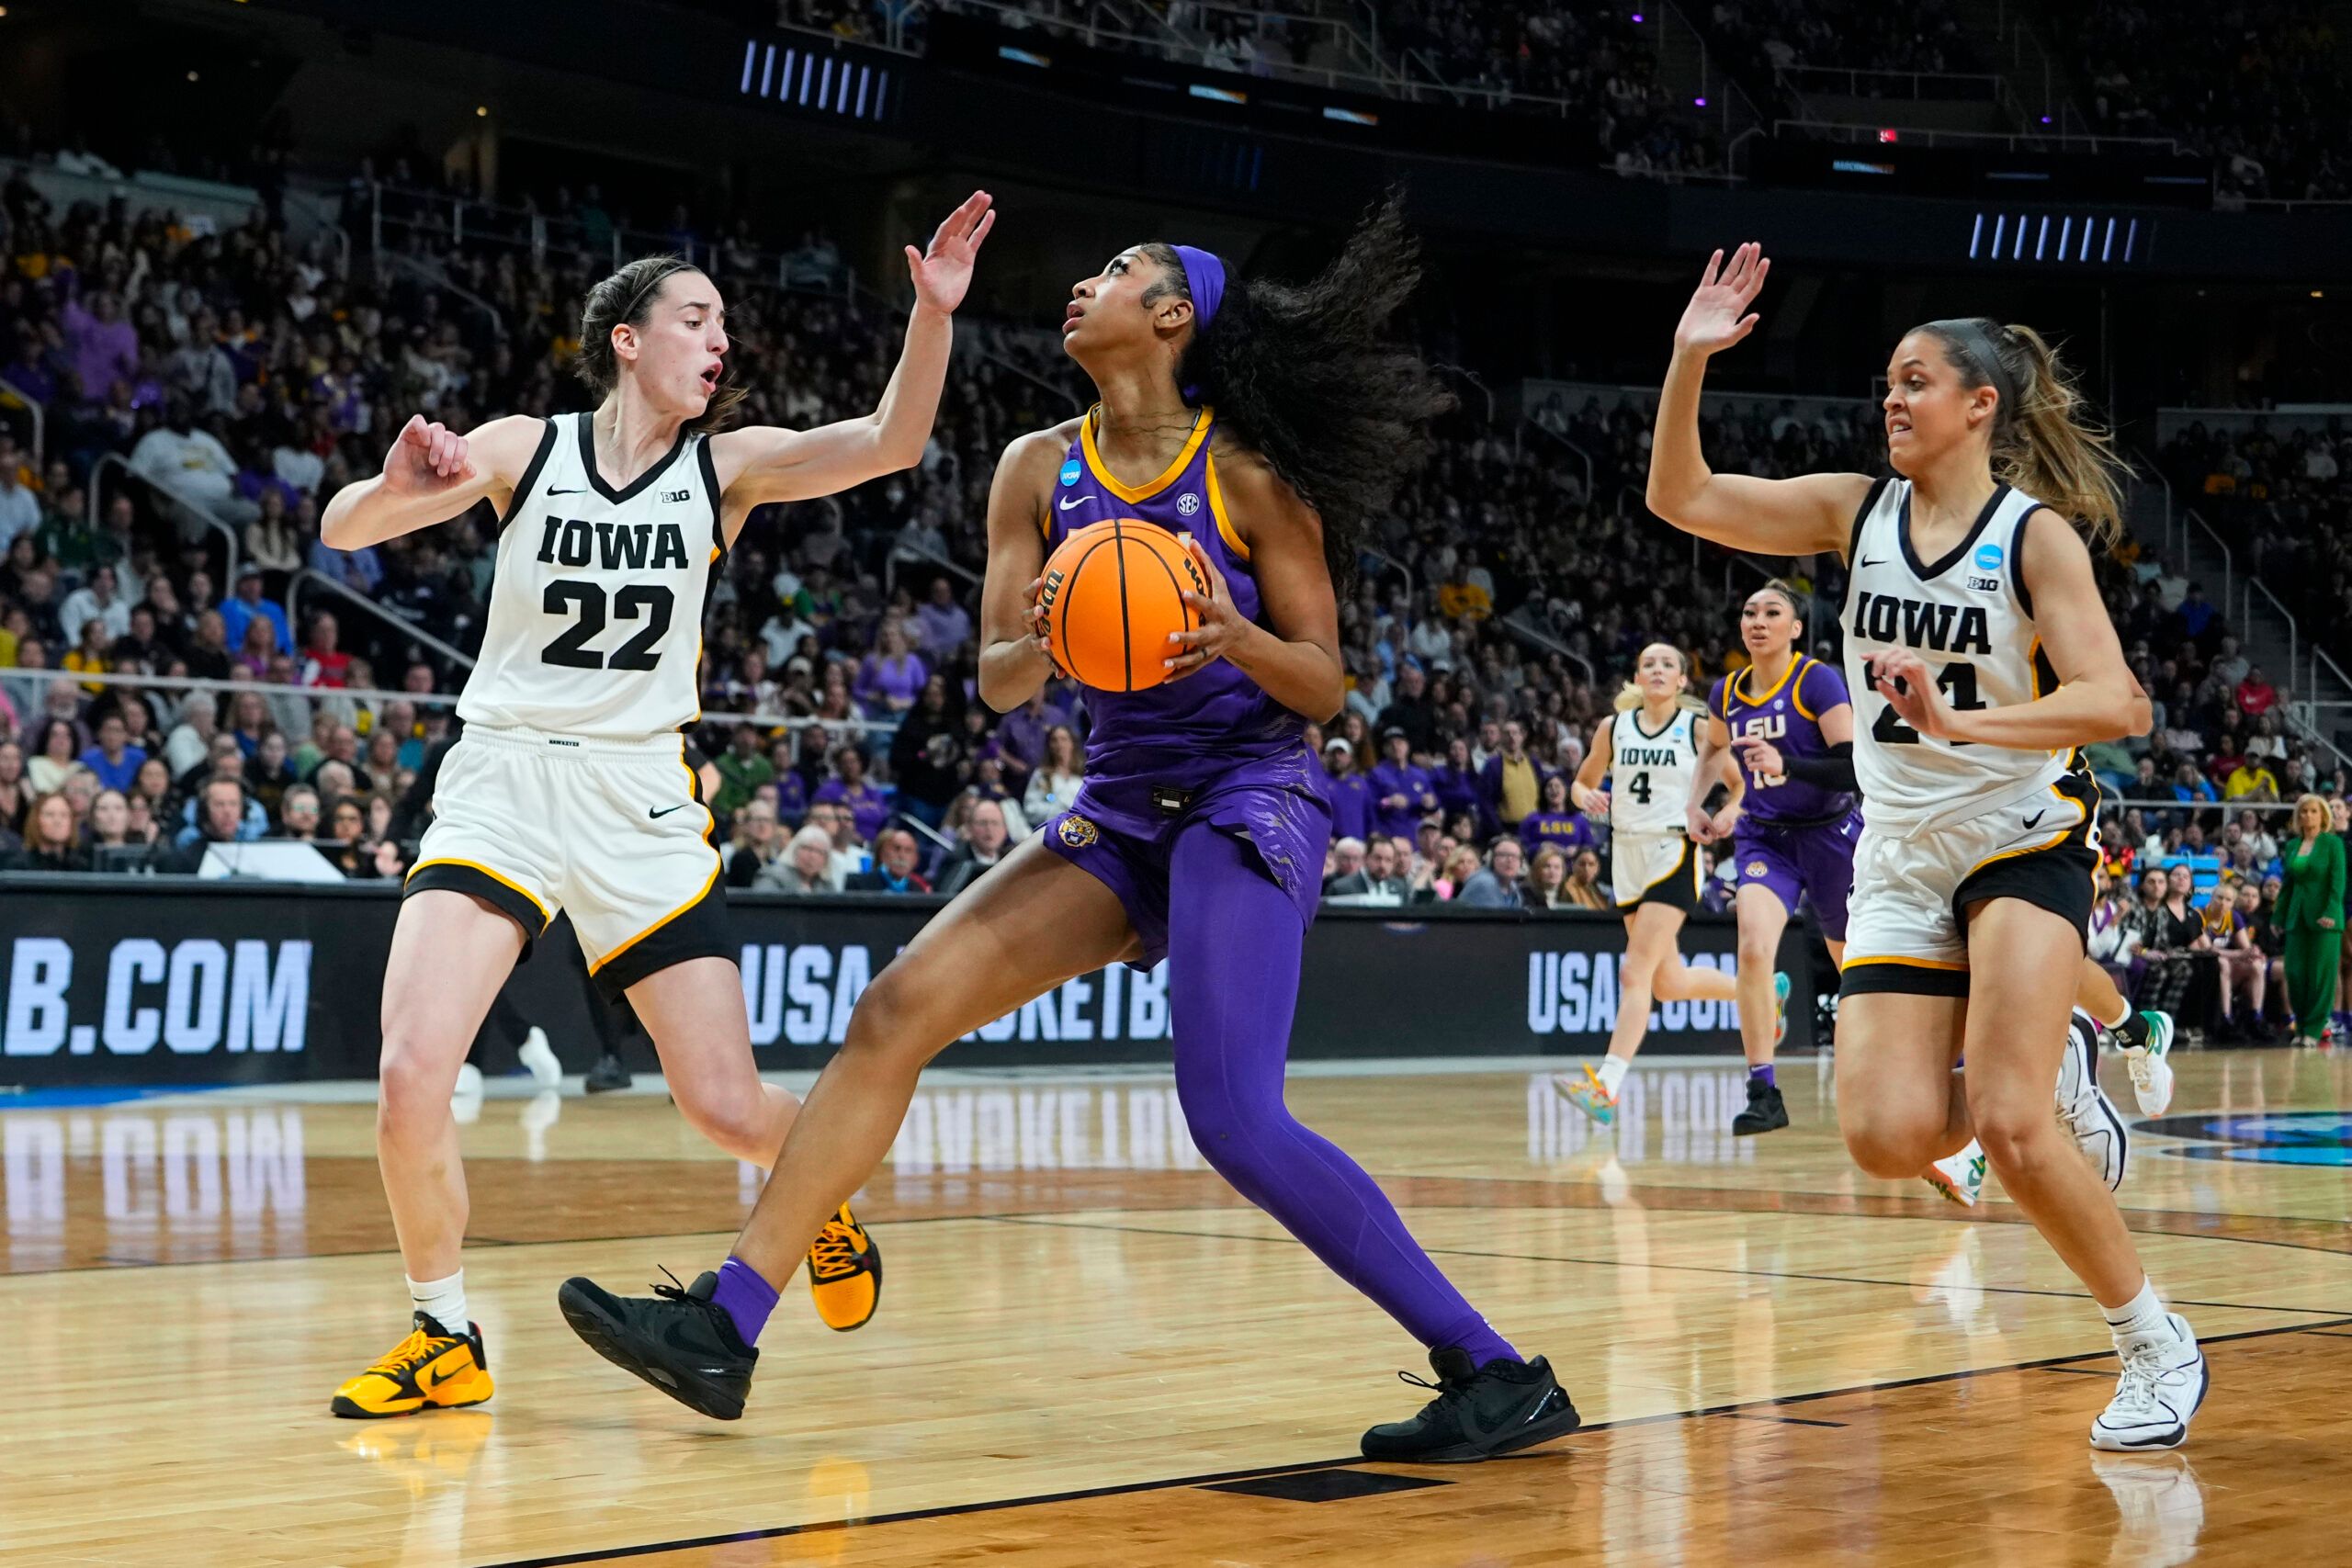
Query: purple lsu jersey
1212, 747
1789, 715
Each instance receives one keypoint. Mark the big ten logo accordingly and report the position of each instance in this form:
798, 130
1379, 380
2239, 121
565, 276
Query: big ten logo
192, 997
1679, 1115
804, 996
172, 1178
1115, 1127
1575, 993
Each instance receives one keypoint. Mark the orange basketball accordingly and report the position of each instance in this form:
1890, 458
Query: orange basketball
1113, 593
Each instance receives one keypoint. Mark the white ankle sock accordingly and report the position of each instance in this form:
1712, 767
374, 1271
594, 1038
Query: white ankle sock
1612, 1072
2119, 1021
2143, 1313
444, 1300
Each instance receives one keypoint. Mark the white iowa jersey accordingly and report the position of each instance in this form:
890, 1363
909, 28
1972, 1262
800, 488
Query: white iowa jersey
1649, 775
595, 608
1970, 619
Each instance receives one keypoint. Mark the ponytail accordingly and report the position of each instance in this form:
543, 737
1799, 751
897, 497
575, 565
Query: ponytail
2044, 441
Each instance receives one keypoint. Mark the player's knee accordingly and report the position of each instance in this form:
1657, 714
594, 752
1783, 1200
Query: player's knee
889, 1023
736, 1121
2015, 1133
1758, 953
1889, 1147
1224, 1126
412, 1090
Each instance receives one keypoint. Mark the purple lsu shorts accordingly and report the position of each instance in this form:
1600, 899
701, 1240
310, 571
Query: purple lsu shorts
1816, 861
1286, 830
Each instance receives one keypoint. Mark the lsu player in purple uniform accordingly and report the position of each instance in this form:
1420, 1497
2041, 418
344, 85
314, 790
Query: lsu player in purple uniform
1269, 425
1792, 817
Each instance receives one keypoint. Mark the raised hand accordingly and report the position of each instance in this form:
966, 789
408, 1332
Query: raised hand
943, 272
1718, 316
427, 458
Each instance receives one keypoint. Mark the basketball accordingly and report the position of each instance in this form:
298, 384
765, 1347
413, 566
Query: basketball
1113, 593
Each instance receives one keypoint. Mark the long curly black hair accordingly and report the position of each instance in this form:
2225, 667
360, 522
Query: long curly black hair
1309, 374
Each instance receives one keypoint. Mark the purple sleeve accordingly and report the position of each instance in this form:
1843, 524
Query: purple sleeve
1821, 688
1715, 697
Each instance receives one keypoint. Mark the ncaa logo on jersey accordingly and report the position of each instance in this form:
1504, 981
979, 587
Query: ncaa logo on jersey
1070, 470
1079, 833
1187, 504
1988, 557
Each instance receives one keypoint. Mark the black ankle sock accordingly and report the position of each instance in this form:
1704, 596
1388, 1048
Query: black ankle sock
2133, 1031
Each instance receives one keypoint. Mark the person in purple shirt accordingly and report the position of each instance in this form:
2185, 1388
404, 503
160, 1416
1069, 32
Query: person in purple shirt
1457, 786
1023, 730
1556, 822
1346, 791
1793, 818
114, 759
104, 346
891, 678
1401, 793
867, 806
1267, 429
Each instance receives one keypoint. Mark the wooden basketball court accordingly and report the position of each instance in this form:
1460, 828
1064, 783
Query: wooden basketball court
1089, 1352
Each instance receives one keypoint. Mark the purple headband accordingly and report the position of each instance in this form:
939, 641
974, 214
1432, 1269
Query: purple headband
1204, 274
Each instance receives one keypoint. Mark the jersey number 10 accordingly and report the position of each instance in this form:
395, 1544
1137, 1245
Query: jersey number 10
639, 601
1957, 683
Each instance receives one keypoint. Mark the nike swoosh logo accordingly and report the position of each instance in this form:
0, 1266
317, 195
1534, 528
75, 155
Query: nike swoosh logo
2035, 818
576, 490
435, 1373
656, 816
1880, 561
1066, 505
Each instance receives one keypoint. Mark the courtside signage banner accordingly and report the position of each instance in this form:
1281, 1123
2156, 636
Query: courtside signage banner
135, 982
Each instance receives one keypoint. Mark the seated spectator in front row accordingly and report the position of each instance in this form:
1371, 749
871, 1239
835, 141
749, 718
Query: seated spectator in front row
806, 865
895, 856
1496, 885
985, 841
756, 841
1347, 868
51, 842
1376, 877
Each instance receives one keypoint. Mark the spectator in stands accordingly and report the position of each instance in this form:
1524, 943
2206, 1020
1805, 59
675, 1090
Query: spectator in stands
1022, 732
1346, 791
2311, 914
895, 855
984, 846
891, 678
1402, 792
1053, 786
111, 827
113, 760
2245, 967
806, 867
55, 756
324, 663
840, 828
741, 770
944, 625
16, 790
1512, 781
867, 807
50, 839
756, 843
2256, 697
297, 814
271, 542
1345, 875
95, 602
1585, 889
1461, 864
1547, 880
1456, 782
1412, 713
240, 612
1496, 886
19, 507
1555, 821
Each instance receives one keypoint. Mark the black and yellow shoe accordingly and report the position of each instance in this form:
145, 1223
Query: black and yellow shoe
432, 1369
845, 1273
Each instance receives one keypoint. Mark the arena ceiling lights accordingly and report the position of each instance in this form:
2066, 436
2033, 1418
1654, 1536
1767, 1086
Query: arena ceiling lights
2058, 239
821, 80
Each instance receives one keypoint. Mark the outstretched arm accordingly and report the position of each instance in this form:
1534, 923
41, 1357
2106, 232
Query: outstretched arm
768, 463
431, 474
1776, 517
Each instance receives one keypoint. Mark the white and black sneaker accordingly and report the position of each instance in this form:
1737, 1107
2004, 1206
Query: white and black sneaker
1479, 1412
2163, 1383
2084, 1109
2146, 1040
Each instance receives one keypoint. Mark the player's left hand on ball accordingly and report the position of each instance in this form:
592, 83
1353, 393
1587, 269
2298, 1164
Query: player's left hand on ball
1041, 636
1903, 678
1220, 628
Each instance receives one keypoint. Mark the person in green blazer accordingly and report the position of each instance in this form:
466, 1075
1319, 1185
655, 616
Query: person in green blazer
2311, 914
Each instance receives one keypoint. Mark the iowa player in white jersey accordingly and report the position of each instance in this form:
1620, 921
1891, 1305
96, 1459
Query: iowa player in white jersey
1649, 749
568, 790
1980, 656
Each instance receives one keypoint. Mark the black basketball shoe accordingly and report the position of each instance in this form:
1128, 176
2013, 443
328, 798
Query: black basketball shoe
1765, 1112
681, 1341
606, 1076
1479, 1412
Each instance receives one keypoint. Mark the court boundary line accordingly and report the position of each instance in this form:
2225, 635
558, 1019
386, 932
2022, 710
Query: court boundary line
994, 1505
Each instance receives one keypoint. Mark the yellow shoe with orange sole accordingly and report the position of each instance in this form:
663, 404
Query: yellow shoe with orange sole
845, 1273
432, 1369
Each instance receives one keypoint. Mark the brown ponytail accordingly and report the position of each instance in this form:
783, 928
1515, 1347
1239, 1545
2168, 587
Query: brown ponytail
2047, 444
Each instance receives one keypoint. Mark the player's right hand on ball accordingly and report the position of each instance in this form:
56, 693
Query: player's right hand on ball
1041, 636
427, 458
